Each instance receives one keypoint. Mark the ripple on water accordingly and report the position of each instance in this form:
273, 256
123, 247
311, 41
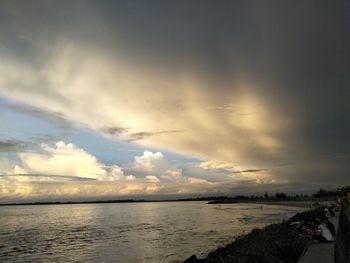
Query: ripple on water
140, 233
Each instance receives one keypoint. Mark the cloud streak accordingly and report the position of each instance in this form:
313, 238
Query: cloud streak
50, 177
11, 145
143, 135
252, 171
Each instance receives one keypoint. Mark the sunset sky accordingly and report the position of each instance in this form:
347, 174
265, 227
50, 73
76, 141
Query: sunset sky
161, 99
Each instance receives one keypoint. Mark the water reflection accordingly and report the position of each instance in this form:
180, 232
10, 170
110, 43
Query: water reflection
134, 232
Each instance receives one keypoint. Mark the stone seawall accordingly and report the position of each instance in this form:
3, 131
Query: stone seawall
342, 242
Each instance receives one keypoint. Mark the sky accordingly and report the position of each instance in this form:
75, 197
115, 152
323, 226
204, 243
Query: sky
167, 99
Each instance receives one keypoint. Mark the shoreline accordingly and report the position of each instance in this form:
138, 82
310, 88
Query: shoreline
304, 204
286, 241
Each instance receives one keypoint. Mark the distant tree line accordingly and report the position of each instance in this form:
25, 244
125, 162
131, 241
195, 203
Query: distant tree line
320, 194
323, 193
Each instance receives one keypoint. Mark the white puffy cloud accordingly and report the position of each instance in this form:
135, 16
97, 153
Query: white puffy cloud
117, 173
63, 170
150, 162
66, 171
158, 170
67, 160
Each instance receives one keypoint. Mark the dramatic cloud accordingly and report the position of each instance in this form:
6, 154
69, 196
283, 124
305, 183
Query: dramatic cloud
234, 137
258, 84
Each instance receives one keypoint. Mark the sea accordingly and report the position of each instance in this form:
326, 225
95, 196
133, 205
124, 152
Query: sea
150, 232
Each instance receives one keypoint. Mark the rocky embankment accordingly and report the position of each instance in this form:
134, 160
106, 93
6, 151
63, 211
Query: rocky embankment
284, 242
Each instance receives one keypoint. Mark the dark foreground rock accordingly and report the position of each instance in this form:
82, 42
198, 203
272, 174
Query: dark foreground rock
277, 243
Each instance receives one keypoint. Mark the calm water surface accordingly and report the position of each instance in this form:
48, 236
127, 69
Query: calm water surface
126, 232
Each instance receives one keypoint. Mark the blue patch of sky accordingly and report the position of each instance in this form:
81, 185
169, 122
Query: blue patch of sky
31, 129
114, 150
21, 126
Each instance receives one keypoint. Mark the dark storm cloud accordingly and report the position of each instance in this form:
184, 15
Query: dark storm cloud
298, 51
